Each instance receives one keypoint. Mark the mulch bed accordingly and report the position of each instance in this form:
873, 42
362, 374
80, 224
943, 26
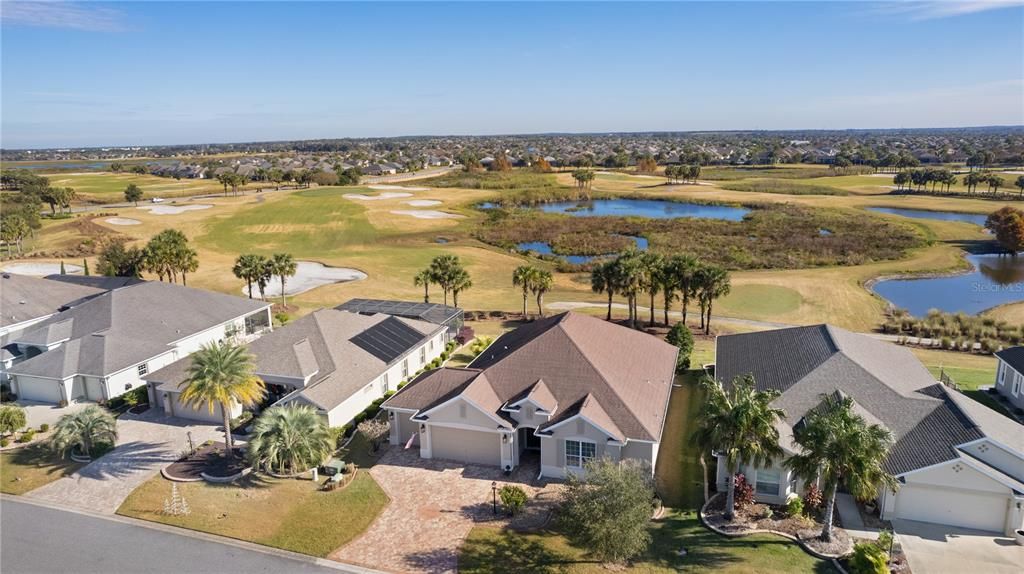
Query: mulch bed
209, 459
139, 409
805, 528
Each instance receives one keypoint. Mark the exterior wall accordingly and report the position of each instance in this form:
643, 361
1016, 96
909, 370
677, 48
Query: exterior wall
787, 482
460, 412
998, 457
128, 379
528, 416
355, 404
646, 452
402, 428
1005, 376
553, 463
179, 409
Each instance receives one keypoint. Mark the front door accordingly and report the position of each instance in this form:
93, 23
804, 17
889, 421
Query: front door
528, 439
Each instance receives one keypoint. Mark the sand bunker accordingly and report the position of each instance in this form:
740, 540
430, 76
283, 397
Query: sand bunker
401, 187
172, 209
423, 202
385, 195
426, 214
41, 269
122, 221
310, 275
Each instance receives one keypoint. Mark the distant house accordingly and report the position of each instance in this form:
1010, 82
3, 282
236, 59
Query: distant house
449, 317
1010, 375
336, 361
101, 348
565, 390
958, 462
379, 169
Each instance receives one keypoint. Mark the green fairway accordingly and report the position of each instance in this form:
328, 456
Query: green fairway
757, 301
109, 186
784, 186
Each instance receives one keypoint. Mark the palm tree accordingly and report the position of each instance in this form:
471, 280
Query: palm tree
290, 438
601, 281
246, 268
628, 277
283, 265
523, 276
682, 271
651, 265
712, 282
740, 426
424, 279
459, 282
263, 273
539, 285
222, 374
84, 429
839, 446
448, 272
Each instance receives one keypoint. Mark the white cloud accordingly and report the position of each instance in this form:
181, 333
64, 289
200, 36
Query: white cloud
944, 8
55, 14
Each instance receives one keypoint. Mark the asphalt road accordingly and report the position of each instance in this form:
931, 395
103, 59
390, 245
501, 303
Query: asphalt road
40, 540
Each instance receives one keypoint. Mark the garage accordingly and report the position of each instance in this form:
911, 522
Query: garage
967, 509
42, 390
465, 445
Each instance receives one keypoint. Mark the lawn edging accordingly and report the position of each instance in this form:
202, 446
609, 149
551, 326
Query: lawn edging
834, 558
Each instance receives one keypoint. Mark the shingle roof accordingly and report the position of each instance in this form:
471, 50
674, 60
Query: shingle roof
23, 298
103, 282
627, 374
126, 326
888, 385
1013, 356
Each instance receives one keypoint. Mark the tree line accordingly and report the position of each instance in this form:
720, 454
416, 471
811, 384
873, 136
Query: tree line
259, 270
448, 273
168, 255
636, 273
684, 173
919, 179
20, 211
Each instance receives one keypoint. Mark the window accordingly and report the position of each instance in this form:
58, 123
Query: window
423, 355
577, 453
768, 481
405, 369
1002, 373
1016, 383
431, 344
384, 383
143, 369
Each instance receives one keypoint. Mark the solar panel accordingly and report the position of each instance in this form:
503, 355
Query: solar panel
388, 339
432, 312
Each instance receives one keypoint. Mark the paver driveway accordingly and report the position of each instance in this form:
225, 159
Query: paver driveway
433, 506
937, 549
145, 444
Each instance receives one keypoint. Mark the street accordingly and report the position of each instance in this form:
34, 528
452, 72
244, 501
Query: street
40, 540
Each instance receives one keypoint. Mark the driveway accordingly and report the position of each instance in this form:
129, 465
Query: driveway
937, 549
434, 504
37, 413
145, 444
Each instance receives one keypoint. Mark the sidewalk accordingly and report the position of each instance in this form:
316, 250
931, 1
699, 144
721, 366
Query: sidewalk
852, 523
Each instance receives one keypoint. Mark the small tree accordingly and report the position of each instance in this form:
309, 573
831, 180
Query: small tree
132, 193
12, 418
479, 345
374, 430
680, 336
290, 438
513, 498
609, 508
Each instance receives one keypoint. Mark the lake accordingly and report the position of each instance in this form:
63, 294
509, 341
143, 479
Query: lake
545, 249
652, 208
995, 280
975, 218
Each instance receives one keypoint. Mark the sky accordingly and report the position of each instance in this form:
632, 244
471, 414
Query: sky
160, 73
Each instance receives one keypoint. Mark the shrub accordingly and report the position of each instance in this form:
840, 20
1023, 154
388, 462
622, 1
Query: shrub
680, 336
884, 542
27, 435
12, 418
513, 498
241, 421
44, 427
744, 492
868, 559
4, 442
794, 506
813, 497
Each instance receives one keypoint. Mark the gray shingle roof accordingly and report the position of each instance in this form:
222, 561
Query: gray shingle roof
627, 374
1013, 356
126, 326
23, 298
887, 383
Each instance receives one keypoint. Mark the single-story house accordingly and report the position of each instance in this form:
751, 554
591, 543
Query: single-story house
102, 347
958, 462
26, 300
450, 317
336, 361
567, 389
1010, 375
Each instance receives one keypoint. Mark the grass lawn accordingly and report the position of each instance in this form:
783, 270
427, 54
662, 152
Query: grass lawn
109, 186
783, 186
758, 301
494, 551
289, 514
27, 468
679, 476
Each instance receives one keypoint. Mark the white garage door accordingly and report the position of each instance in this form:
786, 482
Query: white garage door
962, 508
465, 445
43, 390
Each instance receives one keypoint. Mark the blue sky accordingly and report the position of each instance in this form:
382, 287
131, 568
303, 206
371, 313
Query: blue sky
146, 73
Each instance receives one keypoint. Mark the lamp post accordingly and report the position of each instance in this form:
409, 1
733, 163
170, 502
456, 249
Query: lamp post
494, 497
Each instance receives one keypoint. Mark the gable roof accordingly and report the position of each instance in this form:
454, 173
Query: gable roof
888, 385
1013, 356
24, 298
626, 374
120, 328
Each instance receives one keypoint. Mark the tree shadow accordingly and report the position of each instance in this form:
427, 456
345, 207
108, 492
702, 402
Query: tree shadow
126, 459
39, 456
513, 553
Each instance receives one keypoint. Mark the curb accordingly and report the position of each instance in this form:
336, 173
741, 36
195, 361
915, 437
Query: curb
703, 520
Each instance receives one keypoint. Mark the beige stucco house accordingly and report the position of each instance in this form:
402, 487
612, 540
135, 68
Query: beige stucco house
566, 389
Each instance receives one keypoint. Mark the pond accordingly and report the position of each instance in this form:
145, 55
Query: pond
545, 249
975, 218
995, 280
652, 208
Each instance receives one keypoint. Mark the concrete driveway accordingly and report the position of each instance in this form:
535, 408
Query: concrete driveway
145, 444
937, 549
434, 504
37, 413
